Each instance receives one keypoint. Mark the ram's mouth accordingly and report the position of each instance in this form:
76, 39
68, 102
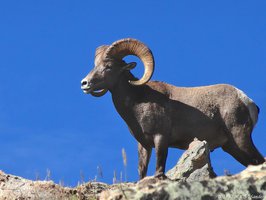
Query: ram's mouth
87, 90
92, 88
95, 90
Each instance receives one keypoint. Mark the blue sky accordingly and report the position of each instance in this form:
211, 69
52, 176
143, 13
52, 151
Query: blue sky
47, 47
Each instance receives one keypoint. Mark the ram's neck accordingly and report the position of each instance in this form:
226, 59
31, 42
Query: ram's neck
123, 95
122, 88
126, 99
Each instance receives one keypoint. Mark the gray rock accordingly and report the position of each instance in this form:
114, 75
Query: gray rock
194, 164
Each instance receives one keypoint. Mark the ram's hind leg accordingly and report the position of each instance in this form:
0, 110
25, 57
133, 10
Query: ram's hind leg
241, 147
144, 158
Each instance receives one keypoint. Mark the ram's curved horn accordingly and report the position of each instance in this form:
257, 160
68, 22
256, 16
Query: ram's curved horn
99, 54
129, 46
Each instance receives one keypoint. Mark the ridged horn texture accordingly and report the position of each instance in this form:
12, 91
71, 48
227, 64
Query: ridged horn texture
129, 46
99, 53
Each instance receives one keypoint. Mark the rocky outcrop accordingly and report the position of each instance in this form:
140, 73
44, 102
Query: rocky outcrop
17, 188
191, 178
249, 184
194, 164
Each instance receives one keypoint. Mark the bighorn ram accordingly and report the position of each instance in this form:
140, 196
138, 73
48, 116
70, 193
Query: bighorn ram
161, 115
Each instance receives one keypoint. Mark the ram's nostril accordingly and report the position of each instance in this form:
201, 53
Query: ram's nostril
83, 83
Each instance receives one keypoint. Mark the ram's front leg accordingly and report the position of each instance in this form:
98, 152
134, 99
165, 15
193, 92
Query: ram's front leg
144, 158
161, 148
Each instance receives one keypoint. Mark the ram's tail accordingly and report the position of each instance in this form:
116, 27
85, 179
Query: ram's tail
252, 107
253, 112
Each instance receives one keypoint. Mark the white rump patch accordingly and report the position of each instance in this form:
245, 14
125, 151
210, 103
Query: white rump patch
252, 108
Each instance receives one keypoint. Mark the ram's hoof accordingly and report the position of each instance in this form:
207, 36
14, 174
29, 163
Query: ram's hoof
160, 176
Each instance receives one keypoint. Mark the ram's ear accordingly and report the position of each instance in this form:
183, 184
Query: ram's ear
130, 66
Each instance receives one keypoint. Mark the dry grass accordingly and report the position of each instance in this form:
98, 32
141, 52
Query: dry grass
48, 175
124, 156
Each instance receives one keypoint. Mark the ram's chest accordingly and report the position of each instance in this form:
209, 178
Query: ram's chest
145, 117
152, 117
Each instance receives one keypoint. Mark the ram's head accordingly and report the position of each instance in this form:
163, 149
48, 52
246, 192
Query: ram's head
109, 65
